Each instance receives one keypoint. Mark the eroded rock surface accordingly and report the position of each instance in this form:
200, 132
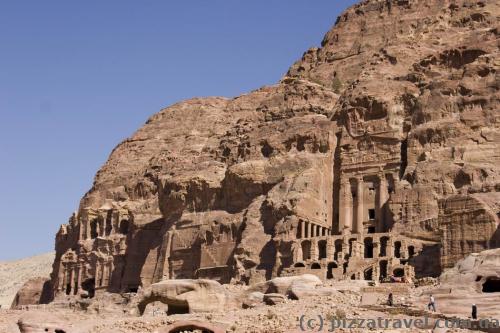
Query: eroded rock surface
377, 154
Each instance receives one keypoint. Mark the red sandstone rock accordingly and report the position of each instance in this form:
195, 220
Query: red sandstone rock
377, 154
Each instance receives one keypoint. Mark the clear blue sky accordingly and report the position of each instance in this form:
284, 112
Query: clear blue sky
77, 77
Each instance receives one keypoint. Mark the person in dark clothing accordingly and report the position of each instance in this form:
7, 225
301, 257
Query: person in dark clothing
474, 311
390, 300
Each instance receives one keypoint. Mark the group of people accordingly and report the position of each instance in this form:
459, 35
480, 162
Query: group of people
432, 305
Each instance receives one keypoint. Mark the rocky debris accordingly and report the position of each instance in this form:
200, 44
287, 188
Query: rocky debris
274, 298
42, 323
191, 326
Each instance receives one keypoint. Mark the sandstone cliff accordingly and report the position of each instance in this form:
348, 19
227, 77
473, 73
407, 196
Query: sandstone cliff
390, 128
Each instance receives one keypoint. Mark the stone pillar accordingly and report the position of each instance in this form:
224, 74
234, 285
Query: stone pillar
389, 249
318, 230
404, 249
330, 249
359, 205
345, 213
376, 273
376, 249
314, 250
382, 196
87, 228
302, 229
313, 230
72, 278
78, 279
309, 229
97, 274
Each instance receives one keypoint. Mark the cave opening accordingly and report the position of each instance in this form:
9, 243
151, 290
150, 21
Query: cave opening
491, 285
178, 308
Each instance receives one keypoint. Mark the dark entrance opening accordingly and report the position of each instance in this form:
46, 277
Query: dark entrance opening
492, 285
383, 246
315, 266
93, 229
411, 251
399, 272
383, 269
68, 289
330, 267
338, 249
89, 286
306, 250
368, 247
322, 249
371, 230
178, 308
371, 214
397, 249
299, 264
124, 227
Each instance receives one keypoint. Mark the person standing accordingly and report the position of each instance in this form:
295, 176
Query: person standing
432, 304
474, 311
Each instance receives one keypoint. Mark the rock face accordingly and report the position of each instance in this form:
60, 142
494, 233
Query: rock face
377, 154
35, 291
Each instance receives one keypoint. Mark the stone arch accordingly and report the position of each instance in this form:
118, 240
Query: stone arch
398, 272
299, 264
368, 247
174, 307
397, 249
306, 250
368, 273
316, 265
322, 249
330, 267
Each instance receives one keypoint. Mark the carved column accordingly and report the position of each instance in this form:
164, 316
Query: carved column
330, 249
87, 228
376, 249
359, 205
97, 274
345, 214
382, 196
302, 229
318, 230
78, 279
314, 249
309, 229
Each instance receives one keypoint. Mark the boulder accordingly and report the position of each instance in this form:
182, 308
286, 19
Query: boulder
35, 291
185, 296
288, 285
41, 322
